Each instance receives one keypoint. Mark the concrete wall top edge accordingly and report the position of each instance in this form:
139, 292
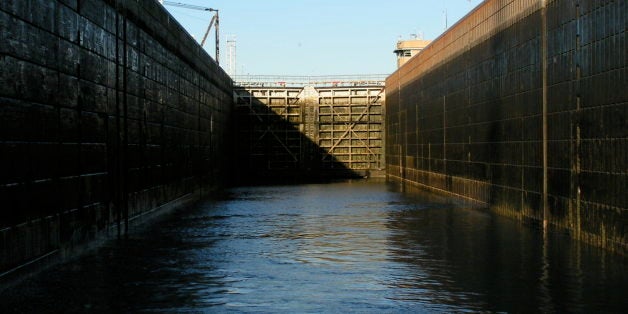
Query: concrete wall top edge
488, 18
167, 30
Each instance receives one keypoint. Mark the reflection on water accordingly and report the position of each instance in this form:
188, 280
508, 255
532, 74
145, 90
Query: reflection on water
356, 247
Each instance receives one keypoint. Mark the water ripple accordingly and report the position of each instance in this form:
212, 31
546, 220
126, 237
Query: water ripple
344, 247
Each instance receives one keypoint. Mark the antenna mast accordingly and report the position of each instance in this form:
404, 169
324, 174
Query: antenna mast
231, 46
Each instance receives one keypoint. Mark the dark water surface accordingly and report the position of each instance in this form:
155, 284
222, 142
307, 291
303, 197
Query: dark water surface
342, 247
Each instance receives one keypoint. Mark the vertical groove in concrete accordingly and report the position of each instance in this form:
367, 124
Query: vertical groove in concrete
544, 108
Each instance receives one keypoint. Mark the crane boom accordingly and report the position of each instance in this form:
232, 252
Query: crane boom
215, 20
208, 29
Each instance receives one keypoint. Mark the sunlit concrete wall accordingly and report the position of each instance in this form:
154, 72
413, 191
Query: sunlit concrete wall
522, 105
108, 110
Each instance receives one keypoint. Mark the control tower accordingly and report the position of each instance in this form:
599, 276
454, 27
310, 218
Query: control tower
408, 48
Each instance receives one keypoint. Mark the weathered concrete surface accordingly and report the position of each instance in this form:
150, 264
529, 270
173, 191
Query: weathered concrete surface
108, 110
522, 105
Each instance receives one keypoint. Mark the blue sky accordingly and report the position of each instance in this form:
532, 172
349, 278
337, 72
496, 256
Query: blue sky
319, 37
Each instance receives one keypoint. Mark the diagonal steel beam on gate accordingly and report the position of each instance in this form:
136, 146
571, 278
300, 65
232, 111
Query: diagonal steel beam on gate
361, 139
352, 125
269, 129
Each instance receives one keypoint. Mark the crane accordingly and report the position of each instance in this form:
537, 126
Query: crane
215, 19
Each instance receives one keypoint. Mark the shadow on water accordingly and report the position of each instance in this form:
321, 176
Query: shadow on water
155, 269
108, 279
489, 262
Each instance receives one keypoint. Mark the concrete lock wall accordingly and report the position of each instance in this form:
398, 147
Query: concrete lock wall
522, 106
108, 110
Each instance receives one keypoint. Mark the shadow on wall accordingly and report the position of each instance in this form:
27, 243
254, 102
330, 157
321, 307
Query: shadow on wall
122, 115
276, 147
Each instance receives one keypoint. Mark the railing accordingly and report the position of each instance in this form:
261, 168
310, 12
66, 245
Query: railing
308, 80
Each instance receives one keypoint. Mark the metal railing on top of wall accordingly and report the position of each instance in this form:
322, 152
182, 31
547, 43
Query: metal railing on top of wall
308, 80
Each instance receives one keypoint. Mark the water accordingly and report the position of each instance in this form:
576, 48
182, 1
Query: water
342, 247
